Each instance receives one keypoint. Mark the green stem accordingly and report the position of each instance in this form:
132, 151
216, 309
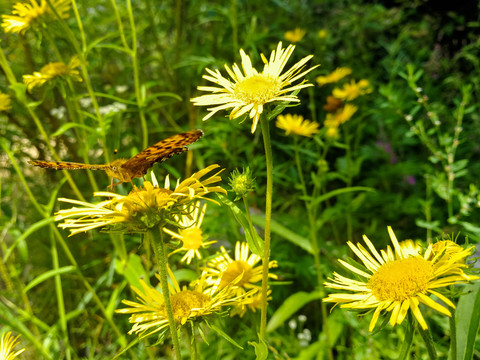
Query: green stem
453, 337
311, 212
60, 298
268, 217
250, 224
162, 261
429, 344
407, 342
192, 341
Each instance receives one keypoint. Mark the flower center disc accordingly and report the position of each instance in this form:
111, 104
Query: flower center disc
256, 89
235, 269
401, 279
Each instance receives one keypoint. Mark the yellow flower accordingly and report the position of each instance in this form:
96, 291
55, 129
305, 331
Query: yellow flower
296, 125
251, 91
140, 210
337, 74
149, 313
398, 280
26, 15
252, 302
332, 132
294, 36
322, 34
7, 343
51, 71
346, 113
352, 90
222, 270
333, 121
190, 233
5, 102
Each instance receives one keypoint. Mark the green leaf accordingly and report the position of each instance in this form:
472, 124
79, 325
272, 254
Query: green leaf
287, 234
30, 230
242, 220
467, 321
290, 306
337, 192
47, 275
224, 335
132, 270
261, 349
20, 91
67, 126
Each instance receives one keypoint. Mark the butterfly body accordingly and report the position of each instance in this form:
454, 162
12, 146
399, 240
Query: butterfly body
126, 169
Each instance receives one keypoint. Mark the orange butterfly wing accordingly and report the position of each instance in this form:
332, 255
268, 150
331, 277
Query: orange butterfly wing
138, 165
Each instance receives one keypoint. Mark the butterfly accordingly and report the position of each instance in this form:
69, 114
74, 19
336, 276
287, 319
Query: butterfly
127, 169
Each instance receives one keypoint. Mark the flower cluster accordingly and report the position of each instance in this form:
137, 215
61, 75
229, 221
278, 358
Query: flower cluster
225, 282
399, 280
142, 209
337, 107
30, 14
188, 304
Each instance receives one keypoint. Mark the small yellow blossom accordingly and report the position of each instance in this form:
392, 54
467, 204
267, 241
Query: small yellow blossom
294, 124
31, 13
399, 280
5, 102
222, 270
333, 77
250, 91
7, 343
352, 90
51, 71
190, 233
346, 113
294, 36
322, 34
332, 132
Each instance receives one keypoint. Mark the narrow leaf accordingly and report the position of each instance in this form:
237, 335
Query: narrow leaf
47, 275
290, 306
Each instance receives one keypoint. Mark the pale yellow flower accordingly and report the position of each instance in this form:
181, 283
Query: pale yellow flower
5, 102
398, 280
250, 91
149, 315
140, 210
222, 270
322, 34
294, 124
190, 232
52, 71
337, 74
25, 15
7, 343
352, 90
333, 121
346, 113
294, 36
